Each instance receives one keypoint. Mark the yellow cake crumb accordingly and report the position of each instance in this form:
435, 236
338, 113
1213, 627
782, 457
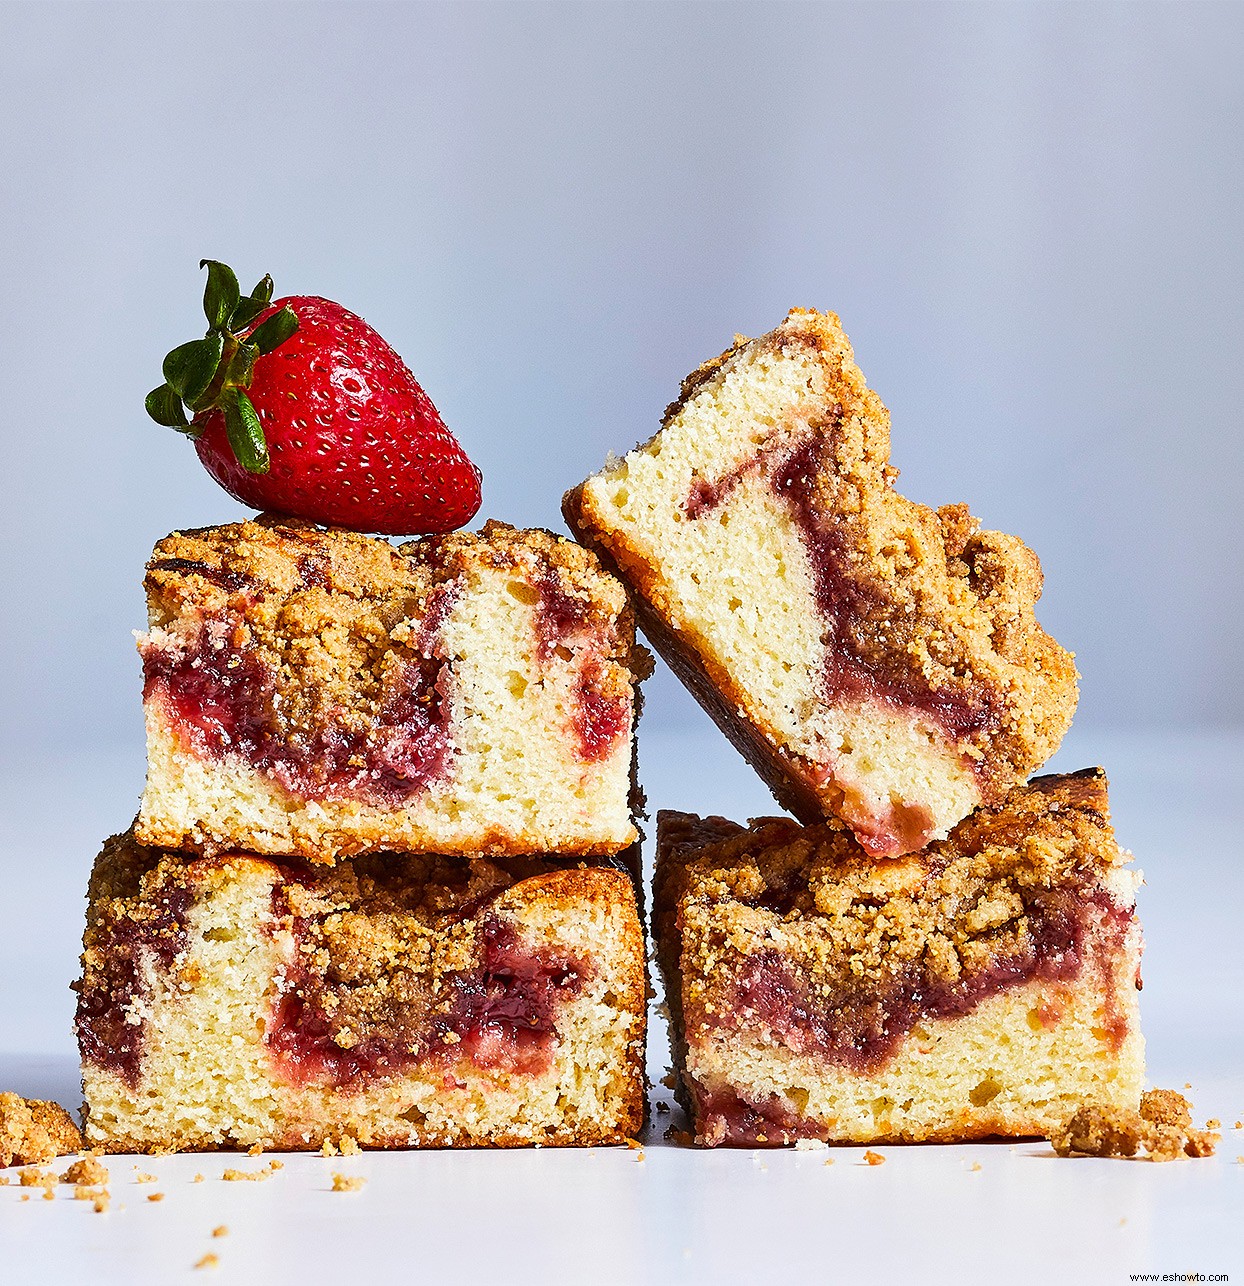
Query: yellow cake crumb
874, 1158
348, 1182
210, 1260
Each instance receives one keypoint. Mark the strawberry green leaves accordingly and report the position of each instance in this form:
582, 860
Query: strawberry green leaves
275, 330
245, 432
221, 295
216, 370
164, 407
190, 368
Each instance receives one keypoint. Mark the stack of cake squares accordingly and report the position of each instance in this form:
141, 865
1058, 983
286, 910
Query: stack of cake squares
941, 947
383, 881
382, 885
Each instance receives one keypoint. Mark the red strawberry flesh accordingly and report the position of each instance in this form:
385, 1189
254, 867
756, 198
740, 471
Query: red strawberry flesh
354, 441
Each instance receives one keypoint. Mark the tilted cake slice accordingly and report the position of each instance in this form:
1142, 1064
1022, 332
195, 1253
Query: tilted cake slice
987, 986
321, 693
401, 1000
876, 660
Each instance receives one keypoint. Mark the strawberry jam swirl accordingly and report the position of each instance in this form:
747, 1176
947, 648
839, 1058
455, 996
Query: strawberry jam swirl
601, 711
859, 1025
862, 661
499, 1015
224, 698
110, 1021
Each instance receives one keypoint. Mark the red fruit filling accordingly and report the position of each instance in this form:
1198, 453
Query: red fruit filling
223, 698
106, 1037
861, 1025
724, 1117
599, 718
501, 1015
853, 611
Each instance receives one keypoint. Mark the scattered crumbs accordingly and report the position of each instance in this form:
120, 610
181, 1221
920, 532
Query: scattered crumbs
1213, 1123
1187, 1085
33, 1177
1162, 1130
155, 1196
48, 1194
1239, 1125
874, 1158
209, 1260
221, 1231
101, 1203
33, 1131
141, 1176
810, 1145
253, 1176
347, 1182
1123, 1222
25, 1196
329, 1149
88, 1170
975, 1167
4, 1180
84, 1193
1239, 1160
349, 1146
829, 1160
198, 1178
639, 1157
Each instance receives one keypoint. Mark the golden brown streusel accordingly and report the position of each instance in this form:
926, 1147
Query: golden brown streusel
956, 907
34, 1130
88, 1170
1162, 1129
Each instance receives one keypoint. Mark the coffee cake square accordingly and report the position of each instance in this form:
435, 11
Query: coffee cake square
986, 986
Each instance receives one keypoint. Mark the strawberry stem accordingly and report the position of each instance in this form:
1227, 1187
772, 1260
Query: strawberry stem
214, 372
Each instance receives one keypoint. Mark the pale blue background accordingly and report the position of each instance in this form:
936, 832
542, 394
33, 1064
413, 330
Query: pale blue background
1028, 216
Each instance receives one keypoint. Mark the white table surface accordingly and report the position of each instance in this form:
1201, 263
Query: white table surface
666, 1213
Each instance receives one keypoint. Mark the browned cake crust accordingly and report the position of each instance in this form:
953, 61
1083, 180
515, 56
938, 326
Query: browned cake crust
404, 1000
323, 693
792, 947
920, 609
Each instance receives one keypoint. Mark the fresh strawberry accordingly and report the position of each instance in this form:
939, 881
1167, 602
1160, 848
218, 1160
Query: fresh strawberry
300, 407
